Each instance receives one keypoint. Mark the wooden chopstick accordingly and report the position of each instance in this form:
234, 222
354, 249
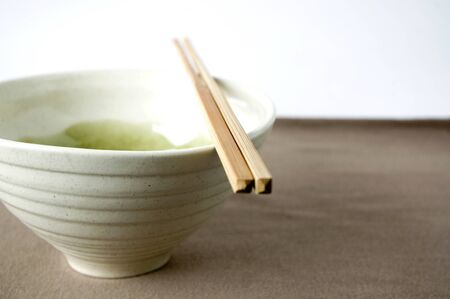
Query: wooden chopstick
237, 170
262, 176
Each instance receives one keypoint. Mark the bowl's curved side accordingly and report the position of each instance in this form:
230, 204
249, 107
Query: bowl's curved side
113, 234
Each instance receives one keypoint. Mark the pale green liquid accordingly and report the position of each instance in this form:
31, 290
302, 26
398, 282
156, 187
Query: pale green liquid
112, 135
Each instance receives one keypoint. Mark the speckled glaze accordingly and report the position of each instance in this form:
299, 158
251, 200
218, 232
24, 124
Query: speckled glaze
113, 213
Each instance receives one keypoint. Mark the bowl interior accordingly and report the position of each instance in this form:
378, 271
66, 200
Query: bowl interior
46, 105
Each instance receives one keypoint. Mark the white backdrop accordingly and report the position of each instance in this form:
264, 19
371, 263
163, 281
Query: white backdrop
323, 58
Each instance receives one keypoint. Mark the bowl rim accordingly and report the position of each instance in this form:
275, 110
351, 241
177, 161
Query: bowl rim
262, 98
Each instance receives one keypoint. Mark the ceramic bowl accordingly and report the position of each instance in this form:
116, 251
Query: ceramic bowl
114, 213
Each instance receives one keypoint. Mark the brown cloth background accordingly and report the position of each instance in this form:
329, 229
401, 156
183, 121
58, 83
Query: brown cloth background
360, 209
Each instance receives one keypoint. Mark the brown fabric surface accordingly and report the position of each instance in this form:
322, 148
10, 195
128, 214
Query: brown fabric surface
361, 209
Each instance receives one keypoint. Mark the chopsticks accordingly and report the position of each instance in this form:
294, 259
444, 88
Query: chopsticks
243, 165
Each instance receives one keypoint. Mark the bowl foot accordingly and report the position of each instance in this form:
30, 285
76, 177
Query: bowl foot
116, 270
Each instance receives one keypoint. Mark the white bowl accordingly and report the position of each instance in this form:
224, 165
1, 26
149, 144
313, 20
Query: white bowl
114, 213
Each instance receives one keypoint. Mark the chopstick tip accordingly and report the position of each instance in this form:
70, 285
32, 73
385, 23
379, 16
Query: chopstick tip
263, 186
243, 186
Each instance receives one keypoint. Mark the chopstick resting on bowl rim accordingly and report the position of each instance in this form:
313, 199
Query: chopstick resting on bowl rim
243, 165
